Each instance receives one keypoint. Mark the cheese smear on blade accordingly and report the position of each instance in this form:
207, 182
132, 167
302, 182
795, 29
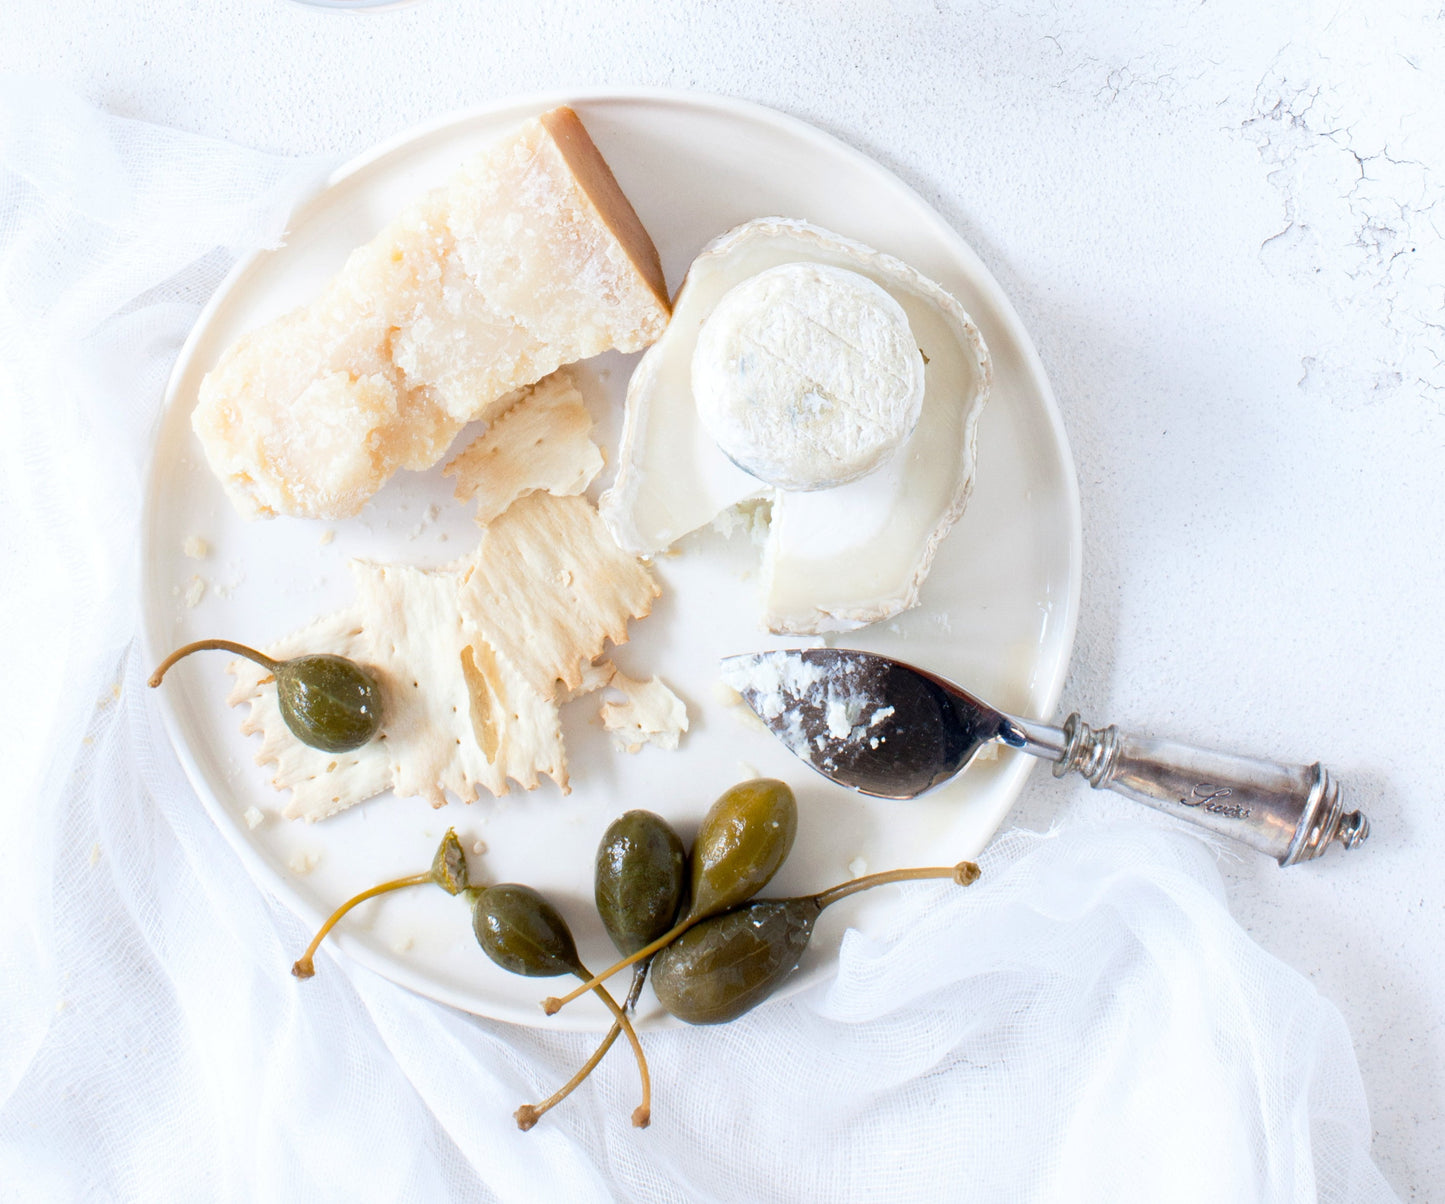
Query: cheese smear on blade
529, 258
807, 375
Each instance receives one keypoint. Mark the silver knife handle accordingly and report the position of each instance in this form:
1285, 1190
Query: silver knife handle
1291, 812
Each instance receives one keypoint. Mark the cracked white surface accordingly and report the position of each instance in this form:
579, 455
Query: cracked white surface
1221, 223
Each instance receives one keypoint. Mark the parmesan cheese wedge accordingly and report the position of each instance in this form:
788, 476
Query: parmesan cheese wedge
529, 258
473, 659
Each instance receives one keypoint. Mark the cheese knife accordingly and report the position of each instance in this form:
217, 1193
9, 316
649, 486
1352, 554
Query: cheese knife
894, 731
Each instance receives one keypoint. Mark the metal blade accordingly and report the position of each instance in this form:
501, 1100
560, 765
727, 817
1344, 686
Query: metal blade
865, 721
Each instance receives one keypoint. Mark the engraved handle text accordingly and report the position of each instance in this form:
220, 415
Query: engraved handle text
1211, 798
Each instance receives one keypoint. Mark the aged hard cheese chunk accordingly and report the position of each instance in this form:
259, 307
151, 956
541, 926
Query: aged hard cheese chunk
474, 660
528, 259
543, 441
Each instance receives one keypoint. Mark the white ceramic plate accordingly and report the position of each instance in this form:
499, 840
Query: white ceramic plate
997, 613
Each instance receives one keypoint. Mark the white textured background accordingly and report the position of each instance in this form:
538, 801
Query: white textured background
1221, 222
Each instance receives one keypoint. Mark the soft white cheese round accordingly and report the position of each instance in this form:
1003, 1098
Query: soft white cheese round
807, 375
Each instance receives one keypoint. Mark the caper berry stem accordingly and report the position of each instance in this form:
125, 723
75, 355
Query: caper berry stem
303, 967
642, 1114
529, 1114
552, 1004
963, 873
639, 976
209, 646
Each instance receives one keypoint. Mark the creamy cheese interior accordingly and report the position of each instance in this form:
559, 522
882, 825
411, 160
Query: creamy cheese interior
807, 375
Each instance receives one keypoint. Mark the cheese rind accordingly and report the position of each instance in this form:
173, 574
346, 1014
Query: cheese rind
528, 259
807, 375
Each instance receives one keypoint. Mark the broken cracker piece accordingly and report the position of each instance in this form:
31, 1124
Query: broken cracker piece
459, 653
544, 441
550, 587
594, 674
651, 714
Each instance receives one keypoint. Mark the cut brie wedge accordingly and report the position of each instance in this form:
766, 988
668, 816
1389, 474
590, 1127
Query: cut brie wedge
841, 555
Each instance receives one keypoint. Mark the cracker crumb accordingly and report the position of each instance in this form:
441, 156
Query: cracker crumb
651, 714
326, 537
195, 548
479, 847
857, 867
254, 817
402, 945
745, 715
95, 853
746, 772
302, 863
195, 590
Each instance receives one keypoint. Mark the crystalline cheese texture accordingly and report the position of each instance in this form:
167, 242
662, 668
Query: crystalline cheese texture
528, 259
473, 660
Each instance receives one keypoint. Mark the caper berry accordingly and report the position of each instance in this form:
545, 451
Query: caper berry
327, 701
641, 877
521, 931
727, 964
745, 836
743, 839
448, 870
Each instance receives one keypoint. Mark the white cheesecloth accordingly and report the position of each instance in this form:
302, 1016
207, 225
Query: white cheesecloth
1086, 1023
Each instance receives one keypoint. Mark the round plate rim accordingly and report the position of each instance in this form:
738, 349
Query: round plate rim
524, 105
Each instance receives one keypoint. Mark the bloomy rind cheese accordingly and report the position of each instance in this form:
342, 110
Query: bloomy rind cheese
528, 259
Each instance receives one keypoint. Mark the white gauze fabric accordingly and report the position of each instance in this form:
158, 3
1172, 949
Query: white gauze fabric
1085, 1024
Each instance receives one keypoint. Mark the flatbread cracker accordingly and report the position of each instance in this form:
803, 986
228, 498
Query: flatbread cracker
472, 679
550, 588
542, 442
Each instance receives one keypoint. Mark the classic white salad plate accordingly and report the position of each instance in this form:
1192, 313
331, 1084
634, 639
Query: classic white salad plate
997, 614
